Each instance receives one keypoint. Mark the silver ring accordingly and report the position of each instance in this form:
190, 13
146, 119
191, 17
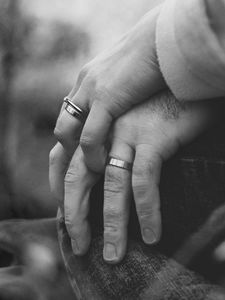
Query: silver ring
74, 110
119, 163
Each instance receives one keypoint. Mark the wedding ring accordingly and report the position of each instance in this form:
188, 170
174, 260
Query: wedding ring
74, 110
119, 163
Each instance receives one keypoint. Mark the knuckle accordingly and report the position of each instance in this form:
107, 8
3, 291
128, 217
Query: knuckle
111, 191
53, 157
140, 180
140, 188
88, 76
141, 168
111, 235
114, 179
73, 227
114, 217
105, 99
110, 229
73, 174
101, 91
83, 73
142, 174
73, 221
112, 232
70, 177
145, 210
113, 185
124, 122
87, 142
58, 133
60, 128
68, 222
140, 192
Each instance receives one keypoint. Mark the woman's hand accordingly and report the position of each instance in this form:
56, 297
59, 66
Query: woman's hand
109, 86
146, 136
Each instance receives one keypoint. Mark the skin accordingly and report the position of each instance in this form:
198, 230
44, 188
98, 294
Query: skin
146, 136
108, 86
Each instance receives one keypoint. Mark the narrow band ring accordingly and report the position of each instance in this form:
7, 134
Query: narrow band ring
74, 110
119, 163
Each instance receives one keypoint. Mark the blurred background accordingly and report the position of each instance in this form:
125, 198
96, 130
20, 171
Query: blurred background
43, 45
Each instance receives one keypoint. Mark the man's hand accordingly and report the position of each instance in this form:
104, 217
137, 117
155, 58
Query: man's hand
146, 136
110, 85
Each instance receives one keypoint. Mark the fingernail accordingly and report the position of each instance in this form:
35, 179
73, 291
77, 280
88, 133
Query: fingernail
149, 236
110, 252
75, 247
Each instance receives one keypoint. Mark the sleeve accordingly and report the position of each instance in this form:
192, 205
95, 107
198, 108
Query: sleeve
190, 42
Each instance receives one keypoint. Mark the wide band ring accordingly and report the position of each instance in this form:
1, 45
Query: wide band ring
119, 163
74, 110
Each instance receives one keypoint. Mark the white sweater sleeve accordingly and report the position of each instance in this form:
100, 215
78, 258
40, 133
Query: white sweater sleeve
191, 49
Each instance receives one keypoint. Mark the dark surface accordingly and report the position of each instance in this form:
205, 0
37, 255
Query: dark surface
181, 265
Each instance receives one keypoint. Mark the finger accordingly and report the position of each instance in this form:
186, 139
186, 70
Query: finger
145, 181
58, 163
94, 136
79, 181
62, 108
117, 193
68, 128
76, 87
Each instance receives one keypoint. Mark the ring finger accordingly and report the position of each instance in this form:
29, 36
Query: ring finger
71, 119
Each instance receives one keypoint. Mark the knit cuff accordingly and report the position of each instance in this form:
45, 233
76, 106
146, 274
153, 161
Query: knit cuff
190, 57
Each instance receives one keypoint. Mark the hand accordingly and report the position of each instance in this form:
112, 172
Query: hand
147, 135
109, 86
